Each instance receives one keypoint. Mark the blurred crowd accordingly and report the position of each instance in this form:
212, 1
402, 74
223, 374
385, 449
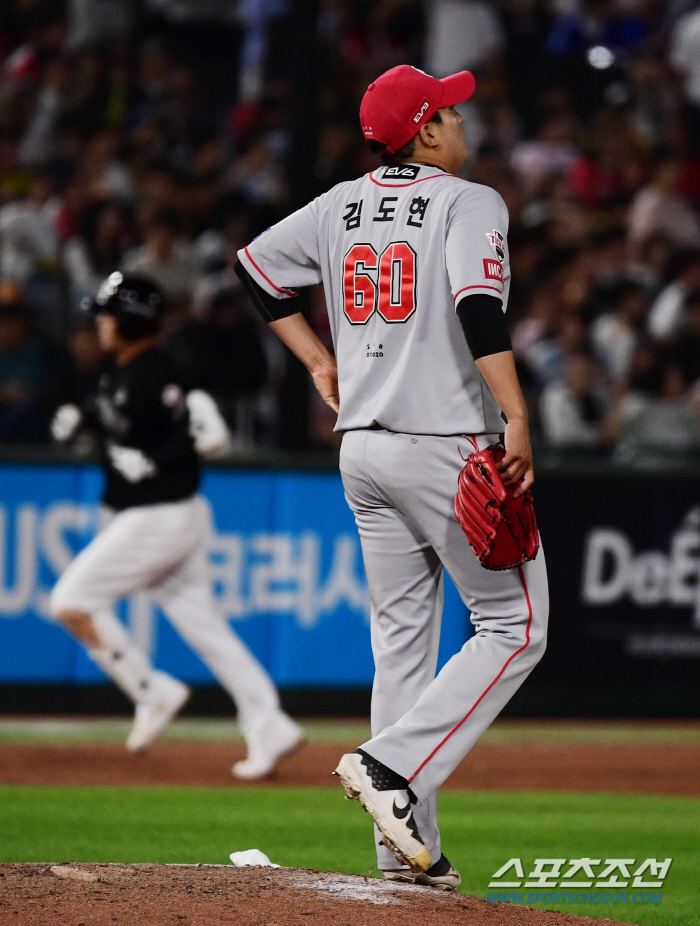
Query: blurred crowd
155, 137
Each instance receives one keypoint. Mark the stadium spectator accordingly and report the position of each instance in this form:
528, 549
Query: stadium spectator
104, 172
600, 23
223, 354
462, 35
685, 347
219, 275
667, 312
615, 335
550, 155
256, 175
572, 411
684, 56
93, 21
90, 256
165, 258
27, 378
28, 237
548, 356
82, 375
658, 425
659, 209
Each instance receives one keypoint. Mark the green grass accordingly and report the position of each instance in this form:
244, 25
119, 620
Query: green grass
115, 730
316, 828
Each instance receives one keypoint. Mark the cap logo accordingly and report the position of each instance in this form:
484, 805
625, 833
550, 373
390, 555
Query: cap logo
421, 112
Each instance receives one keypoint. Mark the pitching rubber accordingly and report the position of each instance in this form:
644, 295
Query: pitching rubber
354, 791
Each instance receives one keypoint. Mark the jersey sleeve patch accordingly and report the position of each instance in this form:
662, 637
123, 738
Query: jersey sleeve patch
498, 244
493, 269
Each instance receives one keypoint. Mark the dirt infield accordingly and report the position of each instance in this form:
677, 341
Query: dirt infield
165, 895
644, 768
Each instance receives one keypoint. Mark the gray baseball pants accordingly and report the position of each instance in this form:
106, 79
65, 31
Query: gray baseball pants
163, 548
401, 488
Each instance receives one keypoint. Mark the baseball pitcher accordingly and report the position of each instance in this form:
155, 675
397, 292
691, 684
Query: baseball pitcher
415, 266
157, 533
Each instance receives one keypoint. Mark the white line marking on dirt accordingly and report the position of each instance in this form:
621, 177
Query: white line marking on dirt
350, 887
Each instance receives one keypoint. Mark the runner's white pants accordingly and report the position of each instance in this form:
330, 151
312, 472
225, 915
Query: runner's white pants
401, 488
163, 549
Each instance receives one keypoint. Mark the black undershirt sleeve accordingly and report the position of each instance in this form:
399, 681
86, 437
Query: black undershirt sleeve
270, 308
484, 324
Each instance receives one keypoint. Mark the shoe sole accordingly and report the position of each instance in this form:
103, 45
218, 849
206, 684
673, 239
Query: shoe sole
290, 750
353, 791
405, 877
167, 719
409, 877
444, 883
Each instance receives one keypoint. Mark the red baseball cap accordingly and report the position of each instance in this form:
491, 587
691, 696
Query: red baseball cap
403, 99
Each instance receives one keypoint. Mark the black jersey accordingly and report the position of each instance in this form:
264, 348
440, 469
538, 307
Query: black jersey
142, 404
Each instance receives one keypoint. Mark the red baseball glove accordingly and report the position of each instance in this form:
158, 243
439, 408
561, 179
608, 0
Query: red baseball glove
501, 530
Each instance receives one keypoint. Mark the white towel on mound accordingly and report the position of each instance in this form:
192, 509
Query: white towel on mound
251, 857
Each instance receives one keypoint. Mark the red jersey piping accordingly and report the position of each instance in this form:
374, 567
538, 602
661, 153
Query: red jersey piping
287, 292
479, 286
486, 690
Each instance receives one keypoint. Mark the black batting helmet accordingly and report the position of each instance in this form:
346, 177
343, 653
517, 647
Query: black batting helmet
135, 302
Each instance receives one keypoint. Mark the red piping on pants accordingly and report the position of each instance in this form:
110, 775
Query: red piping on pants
486, 690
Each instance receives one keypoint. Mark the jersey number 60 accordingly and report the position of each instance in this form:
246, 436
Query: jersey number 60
393, 294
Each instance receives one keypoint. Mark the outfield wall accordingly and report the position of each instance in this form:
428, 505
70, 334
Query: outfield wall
623, 553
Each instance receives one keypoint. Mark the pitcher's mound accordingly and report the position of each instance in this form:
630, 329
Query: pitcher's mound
221, 895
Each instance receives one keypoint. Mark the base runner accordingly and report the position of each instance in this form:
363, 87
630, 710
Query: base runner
157, 535
415, 266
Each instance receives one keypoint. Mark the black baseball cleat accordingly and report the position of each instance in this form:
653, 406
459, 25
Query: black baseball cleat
386, 797
441, 876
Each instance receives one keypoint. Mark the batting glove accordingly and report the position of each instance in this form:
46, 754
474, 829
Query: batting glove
131, 463
66, 422
207, 426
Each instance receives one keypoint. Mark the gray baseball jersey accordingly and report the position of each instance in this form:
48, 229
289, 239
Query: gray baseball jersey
396, 251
